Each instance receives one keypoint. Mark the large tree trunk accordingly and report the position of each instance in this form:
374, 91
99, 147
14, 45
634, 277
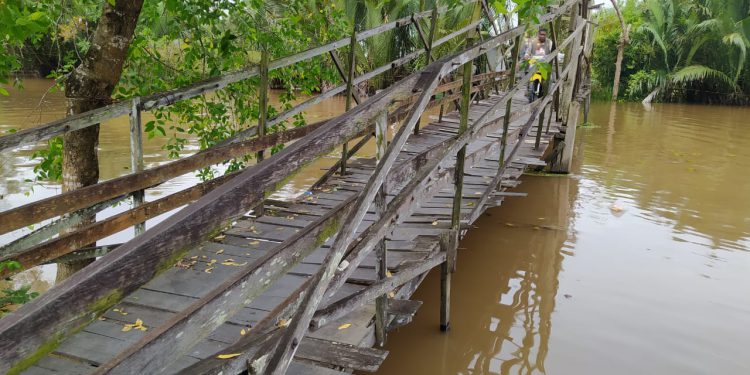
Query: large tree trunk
624, 40
89, 86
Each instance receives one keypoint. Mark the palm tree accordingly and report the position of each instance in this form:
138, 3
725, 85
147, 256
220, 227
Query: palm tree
679, 29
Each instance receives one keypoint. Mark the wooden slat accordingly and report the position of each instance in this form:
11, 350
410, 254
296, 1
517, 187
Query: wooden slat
342, 355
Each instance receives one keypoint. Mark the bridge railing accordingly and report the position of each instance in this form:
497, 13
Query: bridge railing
40, 325
71, 207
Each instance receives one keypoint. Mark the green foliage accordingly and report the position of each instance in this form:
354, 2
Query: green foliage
20, 20
683, 50
11, 296
180, 42
50, 166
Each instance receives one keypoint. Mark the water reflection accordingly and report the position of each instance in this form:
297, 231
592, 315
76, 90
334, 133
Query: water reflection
678, 163
635, 263
504, 291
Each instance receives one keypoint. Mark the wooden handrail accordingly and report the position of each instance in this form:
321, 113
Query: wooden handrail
47, 208
166, 98
37, 327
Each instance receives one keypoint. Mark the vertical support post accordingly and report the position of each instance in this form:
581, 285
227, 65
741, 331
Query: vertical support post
262, 111
449, 245
381, 251
538, 139
509, 104
556, 99
571, 57
136, 155
570, 136
549, 119
445, 284
349, 86
428, 52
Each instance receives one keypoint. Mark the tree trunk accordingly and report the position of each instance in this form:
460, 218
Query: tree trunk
620, 51
89, 86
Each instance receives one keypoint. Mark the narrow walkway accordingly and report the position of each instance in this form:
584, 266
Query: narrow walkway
325, 350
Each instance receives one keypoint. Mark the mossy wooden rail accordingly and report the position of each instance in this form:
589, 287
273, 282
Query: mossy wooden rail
307, 263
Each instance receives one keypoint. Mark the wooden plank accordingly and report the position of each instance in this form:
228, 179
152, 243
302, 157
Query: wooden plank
403, 307
338, 354
169, 341
347, 305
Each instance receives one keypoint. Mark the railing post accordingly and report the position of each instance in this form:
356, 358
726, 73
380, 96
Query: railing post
381, 251
450, 260
136, 156
349, 87
571, 57
509, 104
538, 139
262, 111
445, 284
556, 99
570, 135
428, 50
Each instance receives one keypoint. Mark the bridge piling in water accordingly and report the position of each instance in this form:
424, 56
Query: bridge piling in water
297, 287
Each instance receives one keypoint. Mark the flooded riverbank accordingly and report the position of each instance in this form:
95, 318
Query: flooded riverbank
636, 263
36, 104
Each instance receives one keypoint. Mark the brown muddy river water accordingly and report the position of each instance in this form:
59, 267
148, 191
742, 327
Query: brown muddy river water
636, 263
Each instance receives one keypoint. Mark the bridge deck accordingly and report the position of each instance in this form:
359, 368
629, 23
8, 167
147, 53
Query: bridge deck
213, 262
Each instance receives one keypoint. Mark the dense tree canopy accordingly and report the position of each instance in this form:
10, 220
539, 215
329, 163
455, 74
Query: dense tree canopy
680, 50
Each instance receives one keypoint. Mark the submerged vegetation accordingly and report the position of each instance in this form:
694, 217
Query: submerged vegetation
679, 51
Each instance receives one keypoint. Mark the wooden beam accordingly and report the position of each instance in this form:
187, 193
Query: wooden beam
136, 156
344, 306
84, 197
54, 228
341, 355
381, 249
72, 241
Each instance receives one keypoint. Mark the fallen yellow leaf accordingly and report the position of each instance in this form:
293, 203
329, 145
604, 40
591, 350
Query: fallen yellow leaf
282, 323
208, 270
230, 262
255, 243
127, 328
227, 356
219, 251
345, 326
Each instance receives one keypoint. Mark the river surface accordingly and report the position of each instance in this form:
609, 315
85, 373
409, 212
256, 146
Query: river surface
636, 263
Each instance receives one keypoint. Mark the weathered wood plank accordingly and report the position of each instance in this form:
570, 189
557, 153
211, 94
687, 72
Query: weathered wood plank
164, 344
341, 355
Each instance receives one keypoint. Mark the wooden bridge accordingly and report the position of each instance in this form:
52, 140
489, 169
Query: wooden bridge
235, 281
